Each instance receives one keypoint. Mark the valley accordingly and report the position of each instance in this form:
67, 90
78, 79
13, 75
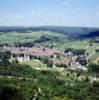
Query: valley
49, 62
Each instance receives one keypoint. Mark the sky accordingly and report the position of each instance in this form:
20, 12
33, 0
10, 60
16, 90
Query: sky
49, 13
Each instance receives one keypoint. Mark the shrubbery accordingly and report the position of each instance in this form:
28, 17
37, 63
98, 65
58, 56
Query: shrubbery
75, 51
52, 87
46, 61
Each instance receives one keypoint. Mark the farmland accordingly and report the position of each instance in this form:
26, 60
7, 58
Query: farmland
46, 38
60, 38
14, 37
35, 77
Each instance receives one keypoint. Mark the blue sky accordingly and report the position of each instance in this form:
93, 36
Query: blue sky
49, 12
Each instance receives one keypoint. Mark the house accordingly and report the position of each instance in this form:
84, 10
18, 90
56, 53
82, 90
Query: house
26, 54
57, 56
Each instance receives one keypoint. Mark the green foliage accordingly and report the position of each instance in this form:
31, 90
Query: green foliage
94, 68
61, 65
47, 61
24, 82
4, 58
10, 93
94, 57
75, 51
82, 61
28, 38
51, 89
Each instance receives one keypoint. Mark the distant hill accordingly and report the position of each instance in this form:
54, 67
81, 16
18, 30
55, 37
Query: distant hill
70, 32
91, 34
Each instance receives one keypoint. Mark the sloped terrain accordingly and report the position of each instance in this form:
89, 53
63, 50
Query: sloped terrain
70, 32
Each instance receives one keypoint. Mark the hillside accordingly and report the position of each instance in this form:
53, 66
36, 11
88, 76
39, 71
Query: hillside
23, 82
50, 36
91, 34
71, 32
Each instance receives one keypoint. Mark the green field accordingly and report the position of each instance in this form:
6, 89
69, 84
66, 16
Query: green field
85, 45
58, 40
35, 64
79, 45
38, 79
14, 37
94, 58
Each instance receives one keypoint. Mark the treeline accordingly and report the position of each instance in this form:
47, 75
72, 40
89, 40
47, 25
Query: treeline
25, 44
47, 38
75, 51
46, 61
4, 58
94, 69
18, 44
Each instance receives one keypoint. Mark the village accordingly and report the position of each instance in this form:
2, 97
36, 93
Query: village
57, 56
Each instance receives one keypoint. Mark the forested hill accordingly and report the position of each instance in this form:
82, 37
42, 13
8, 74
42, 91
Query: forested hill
91, 34
71, 32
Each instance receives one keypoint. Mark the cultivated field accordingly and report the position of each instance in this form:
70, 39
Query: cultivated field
47, 39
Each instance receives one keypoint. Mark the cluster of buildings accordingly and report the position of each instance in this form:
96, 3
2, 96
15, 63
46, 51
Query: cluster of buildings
59, 57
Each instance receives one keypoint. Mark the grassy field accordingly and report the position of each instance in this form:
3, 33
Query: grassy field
78, 45
85, 45
94, 58
14, 37
35, 64
62, 42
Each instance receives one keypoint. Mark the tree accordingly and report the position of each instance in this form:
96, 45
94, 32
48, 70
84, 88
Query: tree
82, 61
75, 51
47, 61
61, 65
10, 93
4, 58
94, 69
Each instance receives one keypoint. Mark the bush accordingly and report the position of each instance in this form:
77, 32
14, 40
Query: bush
47, 61
82, 61
61, 65
10, 93
75, 51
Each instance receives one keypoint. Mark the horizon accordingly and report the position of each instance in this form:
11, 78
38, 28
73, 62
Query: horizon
14, 26
34, 13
